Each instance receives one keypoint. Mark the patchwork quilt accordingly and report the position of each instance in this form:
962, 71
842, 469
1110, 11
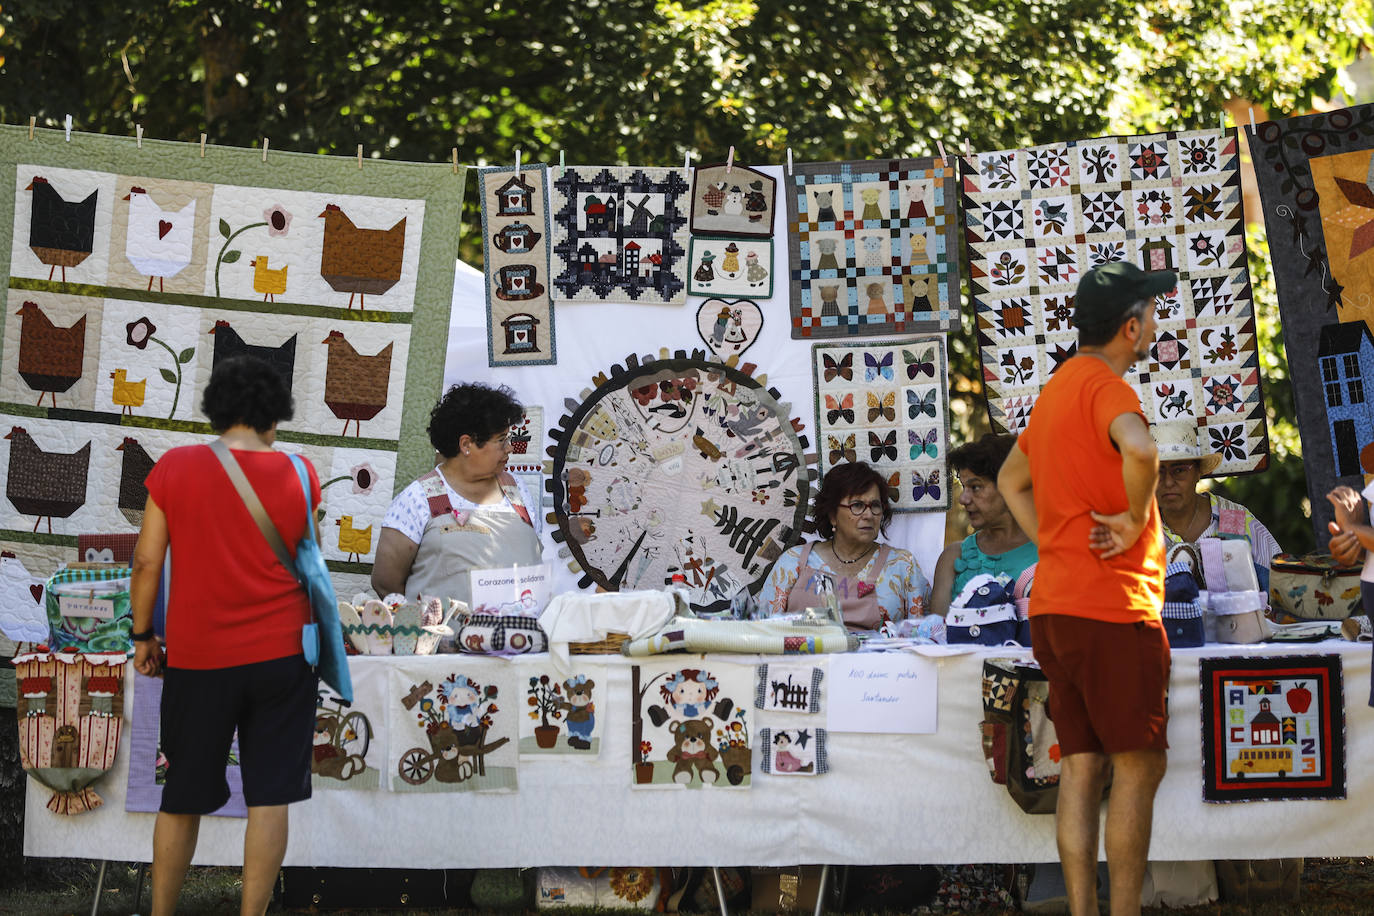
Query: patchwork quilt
873, 247
515, 240
1316, 180
1037, 218
131, 273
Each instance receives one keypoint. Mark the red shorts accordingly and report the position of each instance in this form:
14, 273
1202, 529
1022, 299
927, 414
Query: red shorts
1109, 682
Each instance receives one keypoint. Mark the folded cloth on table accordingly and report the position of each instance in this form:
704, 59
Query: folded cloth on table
755, 637
578, 617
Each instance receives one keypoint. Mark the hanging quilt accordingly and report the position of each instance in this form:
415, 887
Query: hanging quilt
525, 463
349, 742
719, 266
728, 327
1272, 728
887, 403
1037, 219
132, 272
148, 765
454, 733
794, 751
71, 710
873, 247
1316, 180
619, 235
679, 465
565, 712
515, 259
789, 688
732, 200
691, 726
23, 612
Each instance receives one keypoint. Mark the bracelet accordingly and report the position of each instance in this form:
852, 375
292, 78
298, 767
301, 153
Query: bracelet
144, 636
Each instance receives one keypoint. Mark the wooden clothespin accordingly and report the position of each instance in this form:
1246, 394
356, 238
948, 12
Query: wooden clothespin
968, 149
203, 138
455, 160
32, 121
941, 147
138, 133
266, 141
360, 157
730, 161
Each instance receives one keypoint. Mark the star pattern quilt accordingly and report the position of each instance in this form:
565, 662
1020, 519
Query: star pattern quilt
1038, 218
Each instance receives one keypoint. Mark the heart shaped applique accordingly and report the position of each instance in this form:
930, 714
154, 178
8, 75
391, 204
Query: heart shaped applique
37, 591
729, 326
163, 227
865, 589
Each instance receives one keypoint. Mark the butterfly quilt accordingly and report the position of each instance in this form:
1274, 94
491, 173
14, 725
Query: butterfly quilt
886, 403
1037, 219
873, 248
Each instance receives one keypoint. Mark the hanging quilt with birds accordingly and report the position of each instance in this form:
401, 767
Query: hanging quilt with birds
134, 272
1037, 219
1315, 175
515, 261
619, 234
886, 403
874, 247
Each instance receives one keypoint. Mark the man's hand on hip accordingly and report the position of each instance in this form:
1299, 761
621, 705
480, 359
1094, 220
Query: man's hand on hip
1114, 534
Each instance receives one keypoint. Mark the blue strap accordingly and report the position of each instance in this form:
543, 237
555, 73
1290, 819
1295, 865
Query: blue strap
304, 476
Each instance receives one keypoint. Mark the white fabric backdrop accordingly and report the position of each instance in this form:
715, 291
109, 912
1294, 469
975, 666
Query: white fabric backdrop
888, 798
590, 338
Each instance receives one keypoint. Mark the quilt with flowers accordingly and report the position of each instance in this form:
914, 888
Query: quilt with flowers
1038, 218
132, 272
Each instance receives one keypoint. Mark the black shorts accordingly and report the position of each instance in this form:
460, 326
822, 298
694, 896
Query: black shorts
271, 704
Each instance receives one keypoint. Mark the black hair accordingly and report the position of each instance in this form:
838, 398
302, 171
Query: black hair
983, 456
246, 390
843, 481
1101, 333
475, 410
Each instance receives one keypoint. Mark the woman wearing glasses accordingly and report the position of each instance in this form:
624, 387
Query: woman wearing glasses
468, 512
876, 583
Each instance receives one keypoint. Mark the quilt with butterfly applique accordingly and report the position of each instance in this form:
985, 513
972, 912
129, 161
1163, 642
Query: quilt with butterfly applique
887, 403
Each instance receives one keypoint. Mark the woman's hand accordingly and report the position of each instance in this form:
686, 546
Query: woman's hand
1346, 502
148, 657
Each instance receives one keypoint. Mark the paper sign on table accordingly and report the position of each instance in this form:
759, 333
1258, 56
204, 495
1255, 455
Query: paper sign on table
512, 590
888, 693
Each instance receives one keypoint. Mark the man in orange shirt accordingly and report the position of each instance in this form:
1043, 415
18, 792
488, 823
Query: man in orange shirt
1081, 483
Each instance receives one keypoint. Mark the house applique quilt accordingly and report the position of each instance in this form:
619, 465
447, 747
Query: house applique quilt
515, 259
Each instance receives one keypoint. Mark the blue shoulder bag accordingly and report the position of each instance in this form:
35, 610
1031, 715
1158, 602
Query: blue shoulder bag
321, 640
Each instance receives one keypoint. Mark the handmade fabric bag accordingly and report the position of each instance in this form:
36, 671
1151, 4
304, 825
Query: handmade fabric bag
1182, 612
1240, 617
1314, 587
984, 613
1019, 740
1235, 604
500, 634
88, 609
71, 713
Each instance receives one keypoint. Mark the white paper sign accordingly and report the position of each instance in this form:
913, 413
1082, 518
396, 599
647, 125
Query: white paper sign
99, 608
523, 590
883, 692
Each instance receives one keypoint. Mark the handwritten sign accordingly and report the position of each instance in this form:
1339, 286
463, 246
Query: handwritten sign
883, 692
523, 590
98, 608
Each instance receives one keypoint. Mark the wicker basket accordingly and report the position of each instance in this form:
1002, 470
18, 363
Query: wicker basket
608, 646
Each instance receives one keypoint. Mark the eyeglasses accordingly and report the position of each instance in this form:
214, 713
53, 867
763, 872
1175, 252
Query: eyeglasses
1178, 470
857, 508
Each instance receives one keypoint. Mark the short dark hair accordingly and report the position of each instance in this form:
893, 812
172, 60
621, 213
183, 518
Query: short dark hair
475, 410
1101, 334
984, 456
843, 481
246, 390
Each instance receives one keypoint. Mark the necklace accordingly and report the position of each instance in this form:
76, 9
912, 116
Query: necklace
1182, 535
842, 560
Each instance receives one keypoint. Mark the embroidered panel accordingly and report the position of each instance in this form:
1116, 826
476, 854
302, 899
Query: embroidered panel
1272, 728
691, 726
515, 262
619, 235
679, 465
1037, 219
789, 688
718, 266
454, 734
733, 201
728, 327
565, 711
348, 748
1316, 180
887, 403
133, 272
794, 751
873, 247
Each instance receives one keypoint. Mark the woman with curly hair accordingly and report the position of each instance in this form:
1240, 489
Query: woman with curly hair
468, 512
876, 583
233, 660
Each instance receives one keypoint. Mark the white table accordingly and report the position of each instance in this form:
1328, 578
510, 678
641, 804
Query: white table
887, 799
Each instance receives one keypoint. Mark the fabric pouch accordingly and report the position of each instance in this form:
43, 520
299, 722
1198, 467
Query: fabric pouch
1018, 731
1314, 587
89, 611
986, 626
497, 634
1240, 617
1183, 624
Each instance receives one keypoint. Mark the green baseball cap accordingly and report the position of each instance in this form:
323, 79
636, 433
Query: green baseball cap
1106, 291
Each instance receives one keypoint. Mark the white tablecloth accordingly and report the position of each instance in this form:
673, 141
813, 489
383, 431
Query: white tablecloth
924, 798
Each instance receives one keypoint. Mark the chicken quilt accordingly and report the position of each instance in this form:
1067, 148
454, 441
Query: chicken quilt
132, 272
1316, 181
1036, 219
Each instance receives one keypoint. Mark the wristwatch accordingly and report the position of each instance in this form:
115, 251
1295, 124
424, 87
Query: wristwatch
144, 636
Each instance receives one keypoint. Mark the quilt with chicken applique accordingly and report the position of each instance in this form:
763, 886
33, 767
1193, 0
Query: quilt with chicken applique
1315, 176
874, 247
1037, 219
132, 272
887, 403
619, 234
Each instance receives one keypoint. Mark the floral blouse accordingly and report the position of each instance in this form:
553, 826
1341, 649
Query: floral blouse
902, 588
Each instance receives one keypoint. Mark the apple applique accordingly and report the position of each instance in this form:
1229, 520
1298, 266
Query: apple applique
1299, 698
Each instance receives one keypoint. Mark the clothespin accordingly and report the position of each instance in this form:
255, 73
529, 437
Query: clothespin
455, 160
67, 126
138, 132
1252, 119
1222, 119
266, 141
789, 162
687, 161
561, 165
941, 147
202, 145
730, 161
968, 149
32, 121
517, 165
360, 156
